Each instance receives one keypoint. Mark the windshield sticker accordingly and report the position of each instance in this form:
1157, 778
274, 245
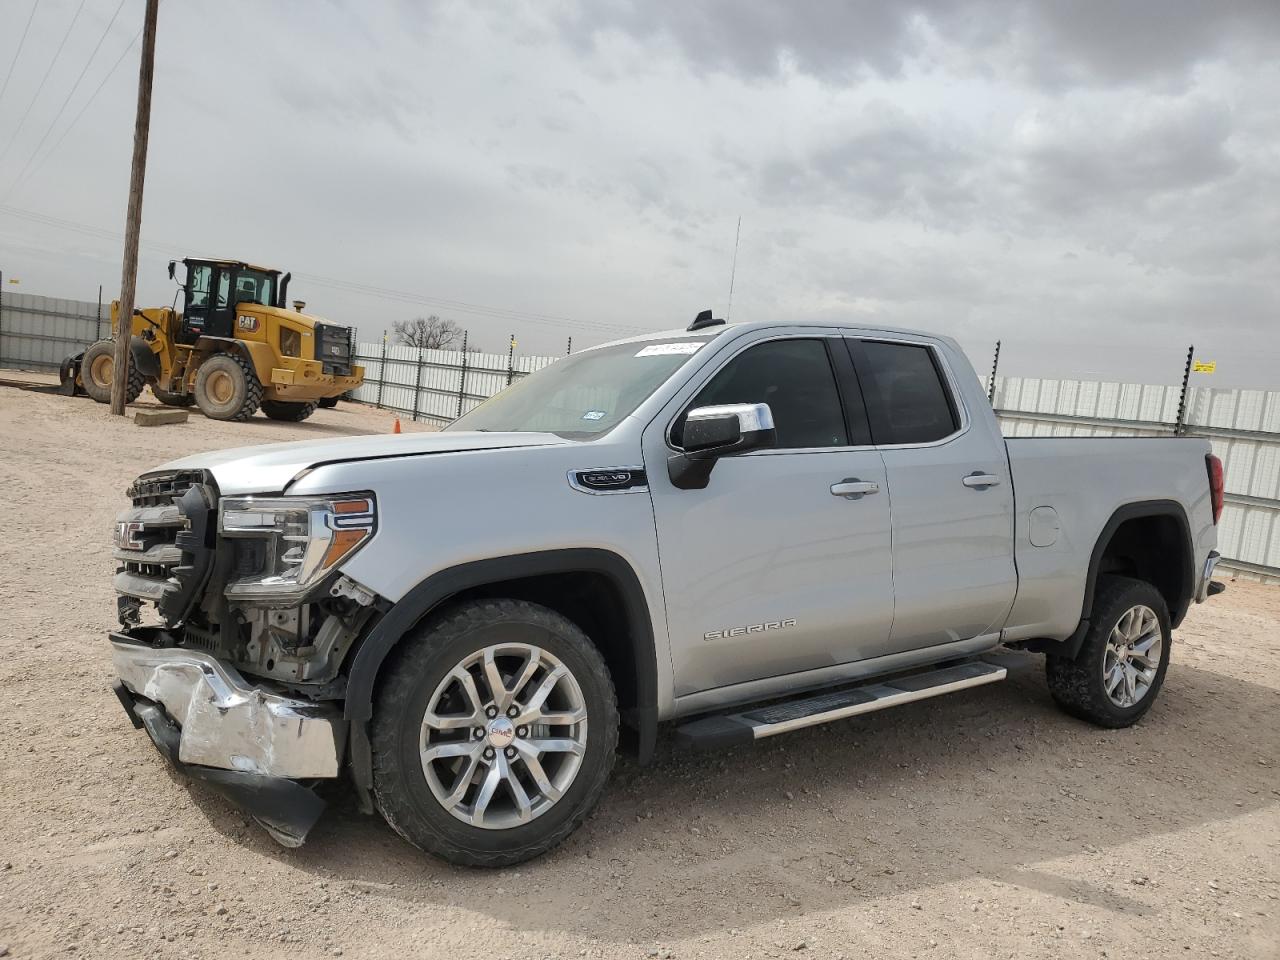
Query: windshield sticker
594, 415
667, 349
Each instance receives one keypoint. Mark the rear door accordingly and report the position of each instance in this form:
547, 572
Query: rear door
950, 491
769, 571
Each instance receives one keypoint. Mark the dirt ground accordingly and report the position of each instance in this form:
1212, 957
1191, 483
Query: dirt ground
982, 824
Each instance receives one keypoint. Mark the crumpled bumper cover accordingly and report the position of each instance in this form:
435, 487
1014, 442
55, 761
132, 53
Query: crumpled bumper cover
250, 744
225, 721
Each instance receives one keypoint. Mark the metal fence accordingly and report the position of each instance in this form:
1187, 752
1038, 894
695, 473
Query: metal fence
436, 385
38, 332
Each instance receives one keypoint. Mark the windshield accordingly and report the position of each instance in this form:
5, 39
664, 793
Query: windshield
255, 286
583, 396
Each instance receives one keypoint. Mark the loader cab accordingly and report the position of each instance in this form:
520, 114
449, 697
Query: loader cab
213, 289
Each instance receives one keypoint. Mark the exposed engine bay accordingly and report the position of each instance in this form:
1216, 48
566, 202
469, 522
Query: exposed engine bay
249, 580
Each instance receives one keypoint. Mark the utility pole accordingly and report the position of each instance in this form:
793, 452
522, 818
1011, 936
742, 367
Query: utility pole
133, 219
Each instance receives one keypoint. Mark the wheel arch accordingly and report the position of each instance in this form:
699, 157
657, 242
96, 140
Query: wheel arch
1119, 543
258, 355
521, 576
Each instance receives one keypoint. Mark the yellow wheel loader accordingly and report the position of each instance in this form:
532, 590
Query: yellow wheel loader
233, 348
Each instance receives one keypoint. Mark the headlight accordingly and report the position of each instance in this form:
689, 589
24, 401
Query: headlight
285, 545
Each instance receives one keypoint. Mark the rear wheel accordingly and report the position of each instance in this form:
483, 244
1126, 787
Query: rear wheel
286, 410
1121, 665
227, 388
494, 733
173, 399
98, 368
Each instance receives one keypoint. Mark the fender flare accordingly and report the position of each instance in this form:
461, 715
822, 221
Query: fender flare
258, 354
1134, 511
445, 584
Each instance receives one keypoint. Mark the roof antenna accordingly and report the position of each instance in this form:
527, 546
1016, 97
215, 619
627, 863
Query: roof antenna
733, 271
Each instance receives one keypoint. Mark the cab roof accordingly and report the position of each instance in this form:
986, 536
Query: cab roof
229, 263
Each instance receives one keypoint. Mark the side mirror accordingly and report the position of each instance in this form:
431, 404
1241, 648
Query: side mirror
721, 431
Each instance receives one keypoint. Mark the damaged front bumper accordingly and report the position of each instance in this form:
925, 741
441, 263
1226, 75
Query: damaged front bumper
250, 743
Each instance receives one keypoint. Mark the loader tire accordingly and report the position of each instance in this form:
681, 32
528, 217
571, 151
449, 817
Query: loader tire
288, 411
173, 399
227, 388
327, 403
97, 370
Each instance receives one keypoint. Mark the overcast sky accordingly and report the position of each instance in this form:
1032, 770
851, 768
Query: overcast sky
1094, 183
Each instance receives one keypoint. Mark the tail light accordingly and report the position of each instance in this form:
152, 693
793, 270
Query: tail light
1214, 466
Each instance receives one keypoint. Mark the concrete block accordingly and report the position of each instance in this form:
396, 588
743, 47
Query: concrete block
158, 418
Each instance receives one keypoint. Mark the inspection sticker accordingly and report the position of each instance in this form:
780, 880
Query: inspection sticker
594, 415
667, 349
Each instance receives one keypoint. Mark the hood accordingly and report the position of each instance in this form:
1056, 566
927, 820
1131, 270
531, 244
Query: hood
271, 467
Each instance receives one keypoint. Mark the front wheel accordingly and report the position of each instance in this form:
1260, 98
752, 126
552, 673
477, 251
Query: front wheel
494, 733
227, 388
1121, 665
97, 370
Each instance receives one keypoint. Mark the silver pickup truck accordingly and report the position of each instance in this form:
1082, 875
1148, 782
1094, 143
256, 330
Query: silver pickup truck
742, 530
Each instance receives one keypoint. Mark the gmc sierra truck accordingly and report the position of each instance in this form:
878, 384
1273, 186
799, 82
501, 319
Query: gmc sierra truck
741, 530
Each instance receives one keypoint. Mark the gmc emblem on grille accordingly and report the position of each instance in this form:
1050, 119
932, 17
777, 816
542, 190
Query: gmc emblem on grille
129, 534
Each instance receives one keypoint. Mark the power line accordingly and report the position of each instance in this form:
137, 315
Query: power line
17, 53
18, 129
66, 100
85, 106
385, 293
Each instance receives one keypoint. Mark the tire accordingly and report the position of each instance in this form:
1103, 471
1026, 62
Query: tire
1080, 685
284, 410
173, 399
327, 403
96, 370
425, 664
227, 388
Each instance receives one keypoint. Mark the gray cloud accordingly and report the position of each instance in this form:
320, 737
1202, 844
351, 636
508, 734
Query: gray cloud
1070, 163
886, 165
1097, 184
1056, 43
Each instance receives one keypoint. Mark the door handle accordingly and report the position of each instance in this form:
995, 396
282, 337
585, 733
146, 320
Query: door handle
981, 480
851, 488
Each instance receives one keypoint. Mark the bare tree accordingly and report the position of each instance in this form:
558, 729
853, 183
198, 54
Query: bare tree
431, 333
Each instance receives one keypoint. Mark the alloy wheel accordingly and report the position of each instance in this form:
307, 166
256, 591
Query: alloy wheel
503, 735
1131, 657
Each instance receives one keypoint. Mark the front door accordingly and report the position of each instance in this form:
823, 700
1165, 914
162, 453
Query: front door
953, 571
768, 571
209, 310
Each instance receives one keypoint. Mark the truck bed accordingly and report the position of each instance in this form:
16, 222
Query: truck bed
1067, 490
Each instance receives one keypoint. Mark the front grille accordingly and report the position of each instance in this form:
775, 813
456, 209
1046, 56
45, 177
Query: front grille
163, 541
335, 348
163, 488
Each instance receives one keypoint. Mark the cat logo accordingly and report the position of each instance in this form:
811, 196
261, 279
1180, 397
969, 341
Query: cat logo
732, 632
247, 323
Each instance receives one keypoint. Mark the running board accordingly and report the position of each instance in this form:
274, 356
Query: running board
757, 723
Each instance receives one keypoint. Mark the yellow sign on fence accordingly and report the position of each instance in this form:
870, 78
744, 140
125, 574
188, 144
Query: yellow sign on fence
1204, 366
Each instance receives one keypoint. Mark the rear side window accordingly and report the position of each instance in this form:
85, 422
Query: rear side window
907, 400
794, 378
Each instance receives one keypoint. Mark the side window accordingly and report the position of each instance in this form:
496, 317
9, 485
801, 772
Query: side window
224, 288
907, 399
199, 282
794, 377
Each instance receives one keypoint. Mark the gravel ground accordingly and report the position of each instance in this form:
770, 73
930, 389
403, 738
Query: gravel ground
982, 824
